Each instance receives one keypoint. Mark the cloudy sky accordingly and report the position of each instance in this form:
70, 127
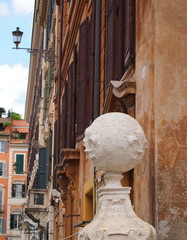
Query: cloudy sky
14, 63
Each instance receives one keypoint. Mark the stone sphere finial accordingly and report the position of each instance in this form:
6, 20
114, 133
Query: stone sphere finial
115, 142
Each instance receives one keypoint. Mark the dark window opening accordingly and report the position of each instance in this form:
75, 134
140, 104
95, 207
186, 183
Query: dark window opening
22, 136
14, 221
38, 199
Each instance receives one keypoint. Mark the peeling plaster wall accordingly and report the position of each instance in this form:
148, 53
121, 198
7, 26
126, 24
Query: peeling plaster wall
161, 108
144, 75
171, 116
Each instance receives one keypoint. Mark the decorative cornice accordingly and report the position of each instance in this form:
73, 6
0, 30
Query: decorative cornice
122, 89
18, 145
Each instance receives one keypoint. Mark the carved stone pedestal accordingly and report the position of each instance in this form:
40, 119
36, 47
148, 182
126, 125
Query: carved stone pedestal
115, 218
115, 142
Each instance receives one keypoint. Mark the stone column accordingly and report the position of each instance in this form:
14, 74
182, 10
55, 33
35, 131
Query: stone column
115, 143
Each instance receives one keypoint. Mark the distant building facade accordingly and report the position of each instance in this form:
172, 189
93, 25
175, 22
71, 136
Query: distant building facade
110, 56
13, 176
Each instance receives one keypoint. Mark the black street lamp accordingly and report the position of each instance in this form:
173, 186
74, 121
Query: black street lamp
17, 35
47, 54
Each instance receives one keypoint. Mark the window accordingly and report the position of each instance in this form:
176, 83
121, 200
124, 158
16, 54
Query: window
19, 163
18, 190
120, 39
2, 225
14, 221
22, 136
2, 169
42, 169
1, 127
39, 199
1, 200
3, 145
85, 63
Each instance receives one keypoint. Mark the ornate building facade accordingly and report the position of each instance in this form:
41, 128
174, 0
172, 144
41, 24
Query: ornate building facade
107, 56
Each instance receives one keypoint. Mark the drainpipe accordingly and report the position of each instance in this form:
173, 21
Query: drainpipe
59, 81
97, 59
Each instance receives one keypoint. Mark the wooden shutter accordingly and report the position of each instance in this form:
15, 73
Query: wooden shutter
42, 169
23, 190
91, 66
70, 140
82, 79
55, 143
56, 147
13, 190
49, 149
110, 43
119, 39
4, 169
1, 168
129, 33
1, 200
12, 221
19, 163
63, 129
2, 225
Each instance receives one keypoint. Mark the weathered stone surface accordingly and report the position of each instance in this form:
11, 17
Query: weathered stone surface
115, 143
161, 86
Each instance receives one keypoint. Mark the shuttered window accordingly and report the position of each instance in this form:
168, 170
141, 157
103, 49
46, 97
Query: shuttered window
129, 33
19, 163
2, 169
42, 169
14, 221
68, 111
18, 190
120, 39
1, 201
85, 77
63, 127
70, 140
49, 155
82, 78
2, 225
110, 42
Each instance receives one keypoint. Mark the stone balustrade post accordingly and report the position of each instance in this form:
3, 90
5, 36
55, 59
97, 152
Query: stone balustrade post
115, 142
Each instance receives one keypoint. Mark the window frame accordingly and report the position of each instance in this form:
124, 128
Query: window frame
18, 172
14, 223
16, 193
1, 146
39, 200
3, 169
2, 226
1, 199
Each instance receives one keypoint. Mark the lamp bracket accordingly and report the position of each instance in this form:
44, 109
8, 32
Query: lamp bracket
47, 54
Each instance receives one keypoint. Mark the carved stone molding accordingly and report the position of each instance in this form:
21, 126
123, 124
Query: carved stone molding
121, 93
123, 88
67, 171
37, 215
